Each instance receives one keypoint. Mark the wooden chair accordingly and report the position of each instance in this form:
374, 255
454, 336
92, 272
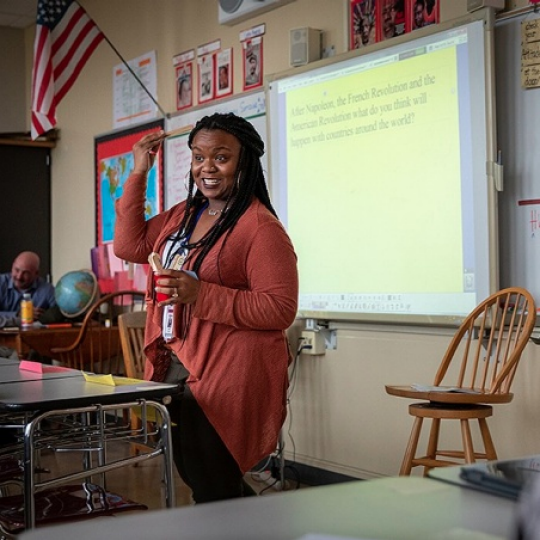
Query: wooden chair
131, 328
475, 373
97, 347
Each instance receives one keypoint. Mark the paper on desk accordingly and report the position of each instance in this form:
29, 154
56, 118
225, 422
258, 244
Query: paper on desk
109, 380
38, 367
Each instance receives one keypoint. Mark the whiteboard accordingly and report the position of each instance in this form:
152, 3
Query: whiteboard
177, 153
518, 121
383, 153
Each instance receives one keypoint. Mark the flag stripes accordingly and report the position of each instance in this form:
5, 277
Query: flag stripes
65, 39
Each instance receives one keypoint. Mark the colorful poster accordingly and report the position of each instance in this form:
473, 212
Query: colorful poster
363, 29
114, 163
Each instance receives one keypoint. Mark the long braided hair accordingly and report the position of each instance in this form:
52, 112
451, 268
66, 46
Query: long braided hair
249, 176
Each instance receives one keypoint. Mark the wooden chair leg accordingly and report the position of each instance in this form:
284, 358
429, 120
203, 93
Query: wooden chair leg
410, 451
467, 441
491, 453
135, 425
433, 442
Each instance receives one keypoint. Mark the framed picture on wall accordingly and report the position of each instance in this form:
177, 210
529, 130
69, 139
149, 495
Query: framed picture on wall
423, 13
362, 23
206, 77
184, 86
113, 164
224, 73
392, 19
253, 63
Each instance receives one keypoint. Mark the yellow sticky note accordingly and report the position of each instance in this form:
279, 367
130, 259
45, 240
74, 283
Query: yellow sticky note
124, 381
99, 379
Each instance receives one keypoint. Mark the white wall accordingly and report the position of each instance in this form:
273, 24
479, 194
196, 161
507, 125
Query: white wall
342, 418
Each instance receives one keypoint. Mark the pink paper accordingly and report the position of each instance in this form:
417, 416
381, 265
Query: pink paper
37, 367
27, 365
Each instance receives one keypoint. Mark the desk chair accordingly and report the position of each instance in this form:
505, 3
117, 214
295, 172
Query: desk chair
131, 328
475, 373
97, 348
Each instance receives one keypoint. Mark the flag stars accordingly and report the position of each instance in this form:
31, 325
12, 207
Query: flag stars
51, 11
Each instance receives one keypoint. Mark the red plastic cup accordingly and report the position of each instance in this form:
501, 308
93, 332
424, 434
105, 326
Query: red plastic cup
160, 297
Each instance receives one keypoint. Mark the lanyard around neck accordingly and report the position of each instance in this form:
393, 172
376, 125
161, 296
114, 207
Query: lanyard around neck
179, 246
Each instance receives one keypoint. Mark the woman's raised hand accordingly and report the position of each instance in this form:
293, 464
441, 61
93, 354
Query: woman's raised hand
145, 151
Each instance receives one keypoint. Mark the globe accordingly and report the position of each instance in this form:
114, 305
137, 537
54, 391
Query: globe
75, 292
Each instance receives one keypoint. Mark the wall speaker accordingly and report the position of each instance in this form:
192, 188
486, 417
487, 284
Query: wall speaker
305, 46
232, 12
473, 5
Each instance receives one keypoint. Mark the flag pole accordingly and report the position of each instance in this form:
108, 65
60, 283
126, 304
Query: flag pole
130, 70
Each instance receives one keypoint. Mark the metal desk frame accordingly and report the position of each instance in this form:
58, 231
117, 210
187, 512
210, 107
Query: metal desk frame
34, 401
31, 449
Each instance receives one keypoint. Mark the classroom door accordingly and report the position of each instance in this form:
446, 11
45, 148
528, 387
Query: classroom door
25, 216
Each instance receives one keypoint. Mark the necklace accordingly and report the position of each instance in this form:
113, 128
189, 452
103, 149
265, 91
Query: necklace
214, 212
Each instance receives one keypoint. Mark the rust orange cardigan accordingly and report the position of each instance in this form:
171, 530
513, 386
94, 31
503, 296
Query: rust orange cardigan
236, 349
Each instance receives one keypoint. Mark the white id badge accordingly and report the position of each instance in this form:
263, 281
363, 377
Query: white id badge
168, 319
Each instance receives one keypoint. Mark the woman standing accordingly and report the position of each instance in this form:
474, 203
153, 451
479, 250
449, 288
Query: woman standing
221, 331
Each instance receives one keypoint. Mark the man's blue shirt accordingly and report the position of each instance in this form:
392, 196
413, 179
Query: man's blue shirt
10, 298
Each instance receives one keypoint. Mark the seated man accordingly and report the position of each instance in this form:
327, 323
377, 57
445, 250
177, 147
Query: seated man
24, 278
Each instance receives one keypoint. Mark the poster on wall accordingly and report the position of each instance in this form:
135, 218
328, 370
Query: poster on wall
530, 53
132, 103
224, 73
184, 90
253, 62
362, 23
183, 75
113, 164
392, 19
423, 13
206, 77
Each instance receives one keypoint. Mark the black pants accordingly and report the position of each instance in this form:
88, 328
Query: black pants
202, 459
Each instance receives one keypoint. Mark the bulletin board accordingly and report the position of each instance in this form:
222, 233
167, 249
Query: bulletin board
177, 154
113, 163
518, 127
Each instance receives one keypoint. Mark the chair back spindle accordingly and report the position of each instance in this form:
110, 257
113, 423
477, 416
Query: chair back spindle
489, 343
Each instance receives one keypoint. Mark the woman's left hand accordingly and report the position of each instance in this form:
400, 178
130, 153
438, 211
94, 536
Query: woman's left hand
180, 286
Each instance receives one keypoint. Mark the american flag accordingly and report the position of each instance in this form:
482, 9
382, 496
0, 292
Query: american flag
65, 38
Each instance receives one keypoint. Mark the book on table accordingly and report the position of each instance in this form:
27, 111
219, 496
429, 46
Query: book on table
506, 478
455, 389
